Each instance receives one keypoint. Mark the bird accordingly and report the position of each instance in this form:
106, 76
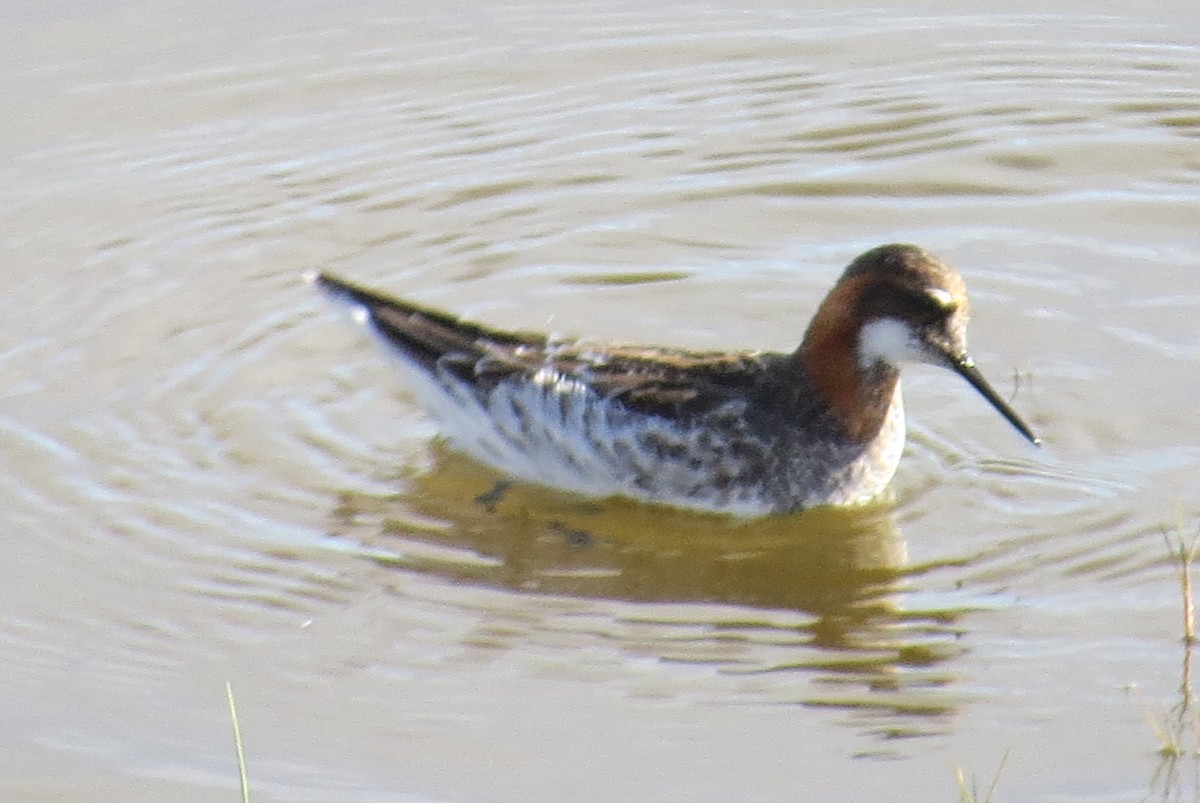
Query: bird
743, 433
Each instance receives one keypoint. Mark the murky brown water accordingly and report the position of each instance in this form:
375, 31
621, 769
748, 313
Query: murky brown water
210, 477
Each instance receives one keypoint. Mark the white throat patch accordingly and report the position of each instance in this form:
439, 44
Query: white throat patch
887, 339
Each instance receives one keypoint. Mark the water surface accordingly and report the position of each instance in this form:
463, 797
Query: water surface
209, 476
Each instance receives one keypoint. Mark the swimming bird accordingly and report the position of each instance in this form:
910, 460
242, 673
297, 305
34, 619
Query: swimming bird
747, 433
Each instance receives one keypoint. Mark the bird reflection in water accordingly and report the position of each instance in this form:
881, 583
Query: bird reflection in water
825, 583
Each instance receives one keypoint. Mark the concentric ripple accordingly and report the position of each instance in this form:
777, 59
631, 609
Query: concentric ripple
208, 474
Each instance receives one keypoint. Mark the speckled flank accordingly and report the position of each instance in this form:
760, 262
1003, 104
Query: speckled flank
558, 432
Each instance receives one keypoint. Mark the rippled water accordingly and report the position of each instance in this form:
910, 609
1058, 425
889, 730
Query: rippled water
210, 476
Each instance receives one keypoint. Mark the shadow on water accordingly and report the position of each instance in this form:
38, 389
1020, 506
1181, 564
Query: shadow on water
819, 593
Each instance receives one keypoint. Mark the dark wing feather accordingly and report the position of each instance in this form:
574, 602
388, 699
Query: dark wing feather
650, 380
428, 335
665, 381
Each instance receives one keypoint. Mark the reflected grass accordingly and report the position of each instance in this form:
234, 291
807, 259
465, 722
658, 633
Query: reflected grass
630, 278
1178, 730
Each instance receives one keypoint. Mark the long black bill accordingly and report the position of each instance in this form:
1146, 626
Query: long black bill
964, 366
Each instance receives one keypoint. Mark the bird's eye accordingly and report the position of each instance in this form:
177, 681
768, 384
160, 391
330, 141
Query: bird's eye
934, 305
943, 299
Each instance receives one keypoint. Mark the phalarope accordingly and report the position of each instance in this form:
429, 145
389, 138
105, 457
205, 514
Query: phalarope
748, 433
